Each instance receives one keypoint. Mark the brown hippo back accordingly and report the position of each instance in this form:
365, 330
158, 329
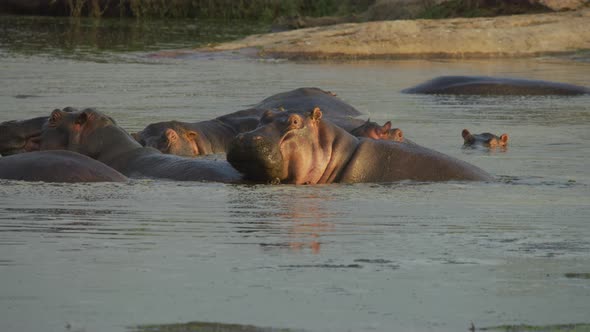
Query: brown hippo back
385, 161
56, 166
305, 99
485, 85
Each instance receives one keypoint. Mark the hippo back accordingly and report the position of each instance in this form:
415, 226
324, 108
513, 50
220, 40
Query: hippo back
387, 161
484, 85
56, 166
306, 99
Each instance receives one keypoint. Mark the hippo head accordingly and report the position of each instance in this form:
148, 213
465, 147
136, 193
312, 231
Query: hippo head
21, 136
484, 139
285, 147
373, 130
80, 131
169, 137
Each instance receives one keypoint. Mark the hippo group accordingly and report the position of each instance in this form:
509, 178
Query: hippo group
303, 136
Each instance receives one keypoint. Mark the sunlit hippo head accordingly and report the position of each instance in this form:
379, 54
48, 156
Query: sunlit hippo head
373, 130
487, 140
286, 147
170, 137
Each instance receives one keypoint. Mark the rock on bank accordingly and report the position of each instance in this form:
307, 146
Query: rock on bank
503, 36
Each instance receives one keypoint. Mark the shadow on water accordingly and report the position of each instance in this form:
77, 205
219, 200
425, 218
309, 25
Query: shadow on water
205, 327
538, 328
96, 39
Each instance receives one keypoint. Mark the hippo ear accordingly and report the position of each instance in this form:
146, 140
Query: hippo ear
316, 114
465, 133
55, 116
504, 138
386, 127
398, 135
83, 117
171, 135
192, 135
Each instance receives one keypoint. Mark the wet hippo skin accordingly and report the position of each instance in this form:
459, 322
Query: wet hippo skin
213, 136
20, 136
56, 166
96, 135
485, 85
289, 147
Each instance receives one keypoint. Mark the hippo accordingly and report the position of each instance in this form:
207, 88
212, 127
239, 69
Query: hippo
373, 130
96, 135
488, 140
485, 85
56, 166
295, 148
213, 136
199, 138
20, 136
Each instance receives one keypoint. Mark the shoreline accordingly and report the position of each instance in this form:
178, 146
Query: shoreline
489, 37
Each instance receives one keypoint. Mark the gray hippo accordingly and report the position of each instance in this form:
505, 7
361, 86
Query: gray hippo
96, 135
487, 140
213, 136
56, 166
288, 147
484, 85
19, 136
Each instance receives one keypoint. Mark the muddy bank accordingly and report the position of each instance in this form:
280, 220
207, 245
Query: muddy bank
504, 36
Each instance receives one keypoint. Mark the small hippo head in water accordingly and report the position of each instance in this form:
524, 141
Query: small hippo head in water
171, 137
373, 130
487, 140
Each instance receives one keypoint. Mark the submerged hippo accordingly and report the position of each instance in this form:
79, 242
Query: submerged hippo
213, 136
373, 130
96, 135
484, 85
288, 147
20, 135
488, 140
56, 166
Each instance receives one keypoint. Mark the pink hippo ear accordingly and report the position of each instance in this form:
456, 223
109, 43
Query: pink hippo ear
171, 135
316, 114
398, 135
83, 118
465, 133
192, 136
55, 116
504, 139
385, 128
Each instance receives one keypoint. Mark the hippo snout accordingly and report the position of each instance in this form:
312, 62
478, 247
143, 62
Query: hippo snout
255, 156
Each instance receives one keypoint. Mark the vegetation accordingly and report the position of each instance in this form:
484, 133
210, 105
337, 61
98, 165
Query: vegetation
224, 9
478, 8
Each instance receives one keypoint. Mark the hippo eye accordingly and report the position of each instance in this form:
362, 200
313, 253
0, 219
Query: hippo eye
294, 121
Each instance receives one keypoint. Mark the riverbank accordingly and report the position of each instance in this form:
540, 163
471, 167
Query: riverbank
503, 36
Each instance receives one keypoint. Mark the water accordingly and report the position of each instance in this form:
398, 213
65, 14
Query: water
153, 255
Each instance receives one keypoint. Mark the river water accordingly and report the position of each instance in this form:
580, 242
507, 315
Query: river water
152, 255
